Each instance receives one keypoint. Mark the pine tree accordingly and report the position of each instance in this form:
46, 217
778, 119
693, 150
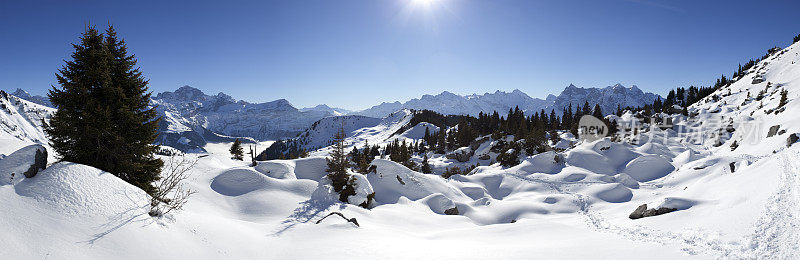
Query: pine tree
103, 117
426, 168
598, 113
554, 138
236, 150
341, 181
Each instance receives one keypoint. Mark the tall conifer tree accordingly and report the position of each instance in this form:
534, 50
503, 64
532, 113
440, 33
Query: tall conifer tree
103, 117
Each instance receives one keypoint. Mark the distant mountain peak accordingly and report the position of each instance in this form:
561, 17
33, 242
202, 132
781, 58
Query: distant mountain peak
20, 93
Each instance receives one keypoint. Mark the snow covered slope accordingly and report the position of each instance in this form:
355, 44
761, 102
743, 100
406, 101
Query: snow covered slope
22, 120
358, 129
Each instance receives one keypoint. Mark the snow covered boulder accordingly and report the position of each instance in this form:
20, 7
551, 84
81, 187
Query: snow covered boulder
642, 211
24, 162
388, 188
548, 162
277, 169
601, 156
612, 192
76, 189
626, 180
462, 154
440, 204
364, 193
312, 168
648, 168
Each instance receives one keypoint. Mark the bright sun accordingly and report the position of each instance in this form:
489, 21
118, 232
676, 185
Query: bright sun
425, 3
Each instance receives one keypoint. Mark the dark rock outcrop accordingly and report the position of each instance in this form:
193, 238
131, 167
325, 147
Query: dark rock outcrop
461, 155
791, 140
27, 161
642, 211
773, 130
453, 211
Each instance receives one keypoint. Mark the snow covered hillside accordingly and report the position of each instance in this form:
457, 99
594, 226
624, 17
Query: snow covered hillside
21, 121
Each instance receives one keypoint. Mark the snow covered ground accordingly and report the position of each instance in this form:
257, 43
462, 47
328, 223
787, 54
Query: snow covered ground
732, 201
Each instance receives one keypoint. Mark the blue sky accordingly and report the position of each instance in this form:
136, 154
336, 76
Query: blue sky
358, 53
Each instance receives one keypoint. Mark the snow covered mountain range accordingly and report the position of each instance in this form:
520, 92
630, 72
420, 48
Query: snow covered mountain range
449, 103
608, 98
192, 118
452, 104
224, 115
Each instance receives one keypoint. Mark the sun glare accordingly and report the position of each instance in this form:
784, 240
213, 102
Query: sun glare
423, 3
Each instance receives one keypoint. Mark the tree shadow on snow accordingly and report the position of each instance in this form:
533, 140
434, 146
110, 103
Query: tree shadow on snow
303, 214
134, 214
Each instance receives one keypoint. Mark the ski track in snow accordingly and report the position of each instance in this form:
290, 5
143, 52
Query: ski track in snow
776, 234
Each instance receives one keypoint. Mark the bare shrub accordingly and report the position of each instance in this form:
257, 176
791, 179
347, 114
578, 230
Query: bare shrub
170, 194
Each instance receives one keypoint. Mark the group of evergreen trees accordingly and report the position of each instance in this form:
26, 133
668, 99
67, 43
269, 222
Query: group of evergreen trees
103, 118
281, 150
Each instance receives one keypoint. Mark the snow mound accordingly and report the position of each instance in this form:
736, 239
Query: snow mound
238, 181
312, 168
612, 192
601, 156
542, 163
71, 189
392, 181
278, 169
363, 191
648, 168
677, 203
438, 203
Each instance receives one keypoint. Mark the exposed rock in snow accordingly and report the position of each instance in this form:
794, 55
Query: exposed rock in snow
642, 211
791, 140
462, 154
24, 163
